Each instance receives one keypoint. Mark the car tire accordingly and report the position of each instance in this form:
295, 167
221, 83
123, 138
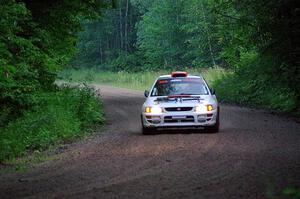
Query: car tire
215, 127
148, 131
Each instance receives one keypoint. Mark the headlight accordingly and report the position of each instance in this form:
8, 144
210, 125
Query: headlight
209, 107
204, 108
148, 109
154, 110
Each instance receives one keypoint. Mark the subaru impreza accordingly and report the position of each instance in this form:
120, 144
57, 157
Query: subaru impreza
180, 101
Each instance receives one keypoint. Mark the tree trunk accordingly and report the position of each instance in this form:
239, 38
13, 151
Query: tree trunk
121, 24
208, 35
126, 25
101, 52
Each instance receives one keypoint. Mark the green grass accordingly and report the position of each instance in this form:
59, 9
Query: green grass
136, 81
60, 116
244, 87
289, 192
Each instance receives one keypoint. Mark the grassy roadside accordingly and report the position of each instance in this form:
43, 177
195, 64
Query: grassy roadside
58, 117
135, 81
239, 88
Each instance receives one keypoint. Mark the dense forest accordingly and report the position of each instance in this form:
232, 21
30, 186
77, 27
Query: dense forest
37, 39
256, 39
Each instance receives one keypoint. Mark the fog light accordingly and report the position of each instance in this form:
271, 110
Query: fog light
156, 120
201, 118
155, 117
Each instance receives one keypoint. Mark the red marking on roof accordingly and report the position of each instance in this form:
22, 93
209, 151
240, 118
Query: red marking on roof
179, 74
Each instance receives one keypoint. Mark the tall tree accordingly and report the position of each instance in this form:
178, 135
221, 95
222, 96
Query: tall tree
37, 38
114, 35
160, 36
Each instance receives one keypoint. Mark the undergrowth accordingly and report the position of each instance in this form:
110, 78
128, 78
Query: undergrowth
255, 84
59, 117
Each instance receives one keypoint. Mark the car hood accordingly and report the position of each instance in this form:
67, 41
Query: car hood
181, 101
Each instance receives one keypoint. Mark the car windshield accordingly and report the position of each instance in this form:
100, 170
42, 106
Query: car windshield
179, 86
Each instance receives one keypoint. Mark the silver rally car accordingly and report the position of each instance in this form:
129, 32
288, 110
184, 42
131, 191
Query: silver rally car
179, 101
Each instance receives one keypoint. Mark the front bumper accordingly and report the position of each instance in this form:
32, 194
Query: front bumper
180, 119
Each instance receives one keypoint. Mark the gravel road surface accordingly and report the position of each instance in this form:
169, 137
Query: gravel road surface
254, 154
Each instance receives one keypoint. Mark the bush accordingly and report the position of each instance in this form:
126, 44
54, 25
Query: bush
254, 83
127, 62
59, 117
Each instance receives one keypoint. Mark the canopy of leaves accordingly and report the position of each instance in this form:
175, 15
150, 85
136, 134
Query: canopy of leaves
37, 37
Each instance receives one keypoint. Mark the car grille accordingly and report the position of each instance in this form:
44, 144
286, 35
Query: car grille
170, 119
175, 109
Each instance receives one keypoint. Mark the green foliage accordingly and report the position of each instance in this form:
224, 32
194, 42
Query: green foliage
252, 84
161, 40
201, 40
106, 39
291, 193
37, 38
126, 62
59, 116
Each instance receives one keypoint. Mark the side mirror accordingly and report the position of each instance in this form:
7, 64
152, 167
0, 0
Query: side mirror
146, 93
212, 91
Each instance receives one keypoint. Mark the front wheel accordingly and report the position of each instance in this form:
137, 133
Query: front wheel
216, 126
213, 129
148, 131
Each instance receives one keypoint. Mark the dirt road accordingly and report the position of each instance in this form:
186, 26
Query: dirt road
254, 154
